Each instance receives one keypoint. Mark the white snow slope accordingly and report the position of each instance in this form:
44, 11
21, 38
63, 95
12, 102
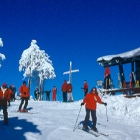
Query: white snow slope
53, 120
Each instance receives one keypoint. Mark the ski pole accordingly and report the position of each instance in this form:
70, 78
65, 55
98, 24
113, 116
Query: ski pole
106, 114
77, 118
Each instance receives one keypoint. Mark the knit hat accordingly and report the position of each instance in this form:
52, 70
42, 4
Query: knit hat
24, 82
4, 85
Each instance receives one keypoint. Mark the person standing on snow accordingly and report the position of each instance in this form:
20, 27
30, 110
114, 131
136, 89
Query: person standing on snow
25, 93
11, 94
91, 100
36, 93
85, 87
69, 90
54, 91
4, 97
64, 91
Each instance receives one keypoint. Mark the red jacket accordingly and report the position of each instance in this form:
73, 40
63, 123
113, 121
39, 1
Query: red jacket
107, 72
25, 89
85, 87
54, 90
64, 87
5, 94
91, 99
69, 88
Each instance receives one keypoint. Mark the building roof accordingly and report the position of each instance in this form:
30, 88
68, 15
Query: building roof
122, 58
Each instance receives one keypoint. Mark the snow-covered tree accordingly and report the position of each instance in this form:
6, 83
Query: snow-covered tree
35, 62
2, 56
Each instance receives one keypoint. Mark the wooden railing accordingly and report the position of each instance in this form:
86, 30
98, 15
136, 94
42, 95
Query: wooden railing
128, 92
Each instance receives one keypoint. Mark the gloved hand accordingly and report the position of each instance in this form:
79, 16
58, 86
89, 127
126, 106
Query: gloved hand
82, 104
104, 103
24, 93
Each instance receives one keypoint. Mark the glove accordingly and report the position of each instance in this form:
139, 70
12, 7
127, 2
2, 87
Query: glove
104, 104
24, 93
82, 104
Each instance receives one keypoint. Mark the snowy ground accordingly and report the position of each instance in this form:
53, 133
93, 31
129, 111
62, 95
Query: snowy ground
56, 120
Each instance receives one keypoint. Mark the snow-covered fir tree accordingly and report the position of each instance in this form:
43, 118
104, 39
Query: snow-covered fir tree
2, 56
36, 64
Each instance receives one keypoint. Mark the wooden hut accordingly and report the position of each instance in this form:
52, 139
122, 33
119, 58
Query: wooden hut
132, 57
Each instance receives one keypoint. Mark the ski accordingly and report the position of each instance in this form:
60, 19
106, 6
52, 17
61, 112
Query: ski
26, 112
103, 134
100, 133
90, 132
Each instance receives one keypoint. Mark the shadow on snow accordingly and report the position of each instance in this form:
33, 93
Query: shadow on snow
17, 129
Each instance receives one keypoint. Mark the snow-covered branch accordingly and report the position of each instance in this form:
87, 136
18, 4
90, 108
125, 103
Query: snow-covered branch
1, 43
2, 56
35, 60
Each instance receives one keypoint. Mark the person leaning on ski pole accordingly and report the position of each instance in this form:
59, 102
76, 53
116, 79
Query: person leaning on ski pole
90, 100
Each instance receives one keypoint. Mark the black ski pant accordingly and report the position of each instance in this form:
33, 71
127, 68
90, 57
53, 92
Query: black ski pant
47, 96
22, 101
3, 103
85, 92
93, 115
64, 96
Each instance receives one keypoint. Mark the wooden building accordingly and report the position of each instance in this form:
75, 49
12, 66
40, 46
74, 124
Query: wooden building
132, 57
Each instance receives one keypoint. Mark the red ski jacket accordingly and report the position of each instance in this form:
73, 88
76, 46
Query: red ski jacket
69, 88
64, 87
5, 95
54, 90
85, 87
91, 99
24, 90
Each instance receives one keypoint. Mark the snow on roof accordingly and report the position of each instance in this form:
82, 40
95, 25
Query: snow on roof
129, 54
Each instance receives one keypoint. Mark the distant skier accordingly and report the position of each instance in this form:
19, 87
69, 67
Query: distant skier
48, 95
107, 78
90, 100
69, 90
54, 91
64, 91
11, 94
4, 97
85, 87
14, 92
36, 93
25, 93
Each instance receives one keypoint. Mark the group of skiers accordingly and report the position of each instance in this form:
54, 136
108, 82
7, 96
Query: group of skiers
37, 94
90, 100
67, 88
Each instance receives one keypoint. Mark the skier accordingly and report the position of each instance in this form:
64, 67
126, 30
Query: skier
48, 95
90, 100
4, 97
54, 91
25, 93
107, 78
14, 92
64, 91
11, 93
36, 93
69, 90
85, 87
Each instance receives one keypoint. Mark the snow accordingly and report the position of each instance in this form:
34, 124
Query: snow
129, 54
56, 120
1, 43
35, 60
2, 56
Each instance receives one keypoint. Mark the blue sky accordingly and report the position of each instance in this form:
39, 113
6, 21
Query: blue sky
68, 30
